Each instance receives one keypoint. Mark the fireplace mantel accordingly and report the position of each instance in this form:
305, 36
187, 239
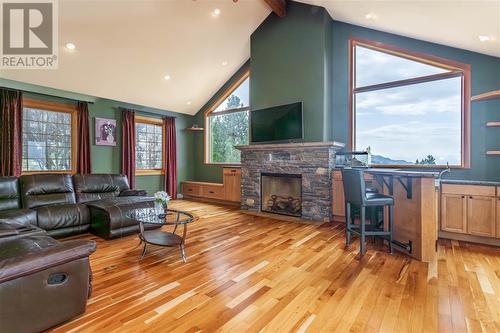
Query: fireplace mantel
293, 145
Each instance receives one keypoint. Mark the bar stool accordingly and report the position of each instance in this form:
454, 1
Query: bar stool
355, 194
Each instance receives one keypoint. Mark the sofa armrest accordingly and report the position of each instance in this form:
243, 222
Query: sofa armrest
133, 193
28, 255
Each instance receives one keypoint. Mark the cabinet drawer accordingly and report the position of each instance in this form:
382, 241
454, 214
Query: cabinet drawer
468, 189
191, 189
232, 171
212, 191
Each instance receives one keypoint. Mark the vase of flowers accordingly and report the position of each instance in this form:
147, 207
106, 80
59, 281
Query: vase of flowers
161, 200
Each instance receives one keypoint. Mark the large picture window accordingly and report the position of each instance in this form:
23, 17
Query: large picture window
408, 109
49, 138
227, 124
149, 157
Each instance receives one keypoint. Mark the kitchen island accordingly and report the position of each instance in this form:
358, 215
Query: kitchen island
415, 207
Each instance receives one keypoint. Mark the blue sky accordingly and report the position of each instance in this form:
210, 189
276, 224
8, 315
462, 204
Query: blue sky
408, 122
242, 92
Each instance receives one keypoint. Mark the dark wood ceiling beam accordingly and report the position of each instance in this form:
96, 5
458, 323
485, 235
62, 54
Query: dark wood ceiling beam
278, 6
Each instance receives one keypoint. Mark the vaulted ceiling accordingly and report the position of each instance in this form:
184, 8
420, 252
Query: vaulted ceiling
124, 49
457, 23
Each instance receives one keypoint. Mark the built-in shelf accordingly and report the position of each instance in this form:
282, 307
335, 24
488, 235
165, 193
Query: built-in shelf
487, 95
493, 152
195, 129
493, 124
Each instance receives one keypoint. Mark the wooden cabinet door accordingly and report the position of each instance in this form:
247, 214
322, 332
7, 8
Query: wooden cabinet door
338, 198
481, 213
232, 185
454, 213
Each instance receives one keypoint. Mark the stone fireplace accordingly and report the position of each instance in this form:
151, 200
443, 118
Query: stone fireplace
309, 165
281, 193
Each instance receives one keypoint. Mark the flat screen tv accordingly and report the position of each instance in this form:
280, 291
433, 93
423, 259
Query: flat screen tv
277, 124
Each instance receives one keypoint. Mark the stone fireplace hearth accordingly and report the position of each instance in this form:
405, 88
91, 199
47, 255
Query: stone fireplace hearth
312, 162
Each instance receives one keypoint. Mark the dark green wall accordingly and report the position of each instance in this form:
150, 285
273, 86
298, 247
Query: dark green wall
108, 159
485, 76
290, 59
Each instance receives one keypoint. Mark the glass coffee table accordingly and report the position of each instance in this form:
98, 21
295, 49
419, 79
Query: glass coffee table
148, 215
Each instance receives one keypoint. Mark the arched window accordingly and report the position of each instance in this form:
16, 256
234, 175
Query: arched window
408, 109
226, 124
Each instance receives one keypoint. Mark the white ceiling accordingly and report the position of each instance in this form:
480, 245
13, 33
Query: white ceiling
125, 48
457, 23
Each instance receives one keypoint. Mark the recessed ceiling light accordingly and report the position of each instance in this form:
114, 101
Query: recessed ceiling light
167, 77
216, 12
484, 38
188, 102
224, 63
70, 46
370, 16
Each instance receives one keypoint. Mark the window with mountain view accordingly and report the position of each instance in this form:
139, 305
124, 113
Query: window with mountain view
48, 137
407, 109
227, 124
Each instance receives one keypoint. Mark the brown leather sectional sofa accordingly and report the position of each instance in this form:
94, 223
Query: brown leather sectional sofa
65, 205
44, 282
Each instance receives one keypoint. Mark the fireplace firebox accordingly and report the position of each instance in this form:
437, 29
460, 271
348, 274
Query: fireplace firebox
281, 193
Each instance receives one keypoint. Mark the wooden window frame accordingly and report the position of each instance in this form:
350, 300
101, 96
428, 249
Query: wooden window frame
158, 122
207, 151
457, 69
56, 107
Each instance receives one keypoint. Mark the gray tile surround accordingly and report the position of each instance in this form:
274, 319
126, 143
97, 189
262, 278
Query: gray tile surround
314, 163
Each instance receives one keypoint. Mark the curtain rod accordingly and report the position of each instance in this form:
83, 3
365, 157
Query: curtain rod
46, 95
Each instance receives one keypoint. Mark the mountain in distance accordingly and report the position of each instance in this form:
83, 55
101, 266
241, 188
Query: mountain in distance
378, 159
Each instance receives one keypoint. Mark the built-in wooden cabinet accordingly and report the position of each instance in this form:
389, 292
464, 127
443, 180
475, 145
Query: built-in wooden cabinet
481, 216
232, 184
470, 209
454, 213
229, 190
338, 204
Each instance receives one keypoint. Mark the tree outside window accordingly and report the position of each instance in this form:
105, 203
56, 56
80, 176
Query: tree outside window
228, 125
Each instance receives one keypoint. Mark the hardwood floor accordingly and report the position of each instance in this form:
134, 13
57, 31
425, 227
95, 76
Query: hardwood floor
248, 274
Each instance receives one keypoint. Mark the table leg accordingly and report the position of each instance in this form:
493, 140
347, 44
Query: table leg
183, 252
143, 251
182, 245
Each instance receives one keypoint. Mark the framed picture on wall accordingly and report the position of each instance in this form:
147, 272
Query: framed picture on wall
105, 132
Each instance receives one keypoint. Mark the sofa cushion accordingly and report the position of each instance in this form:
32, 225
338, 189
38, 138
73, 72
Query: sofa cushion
99, 186
9, 193
24, 217
62, 216
46, 189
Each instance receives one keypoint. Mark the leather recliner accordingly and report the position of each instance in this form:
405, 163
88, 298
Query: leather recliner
43, 282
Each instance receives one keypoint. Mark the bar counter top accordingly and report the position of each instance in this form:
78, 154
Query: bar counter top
402, 172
